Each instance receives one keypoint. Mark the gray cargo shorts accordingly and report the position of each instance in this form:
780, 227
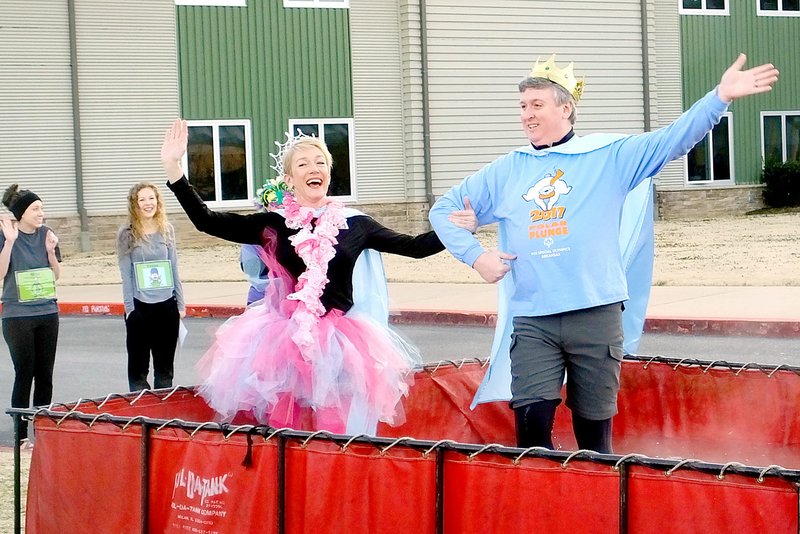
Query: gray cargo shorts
585, 344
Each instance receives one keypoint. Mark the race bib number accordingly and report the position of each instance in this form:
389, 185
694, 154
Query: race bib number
36, 284
153, 275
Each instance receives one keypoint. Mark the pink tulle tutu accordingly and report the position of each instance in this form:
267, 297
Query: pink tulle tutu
357, 368
285, 356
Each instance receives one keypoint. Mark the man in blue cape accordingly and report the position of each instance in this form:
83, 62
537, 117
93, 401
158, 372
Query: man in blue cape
575, 249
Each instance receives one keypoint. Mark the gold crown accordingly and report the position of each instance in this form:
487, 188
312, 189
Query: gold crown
563, 77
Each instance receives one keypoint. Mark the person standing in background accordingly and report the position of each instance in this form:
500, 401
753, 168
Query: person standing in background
151, 288
29, 266
255, 270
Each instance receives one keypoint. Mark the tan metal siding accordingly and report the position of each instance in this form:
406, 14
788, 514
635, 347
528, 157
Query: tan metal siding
127, 73
377, 100
665, 81
478, 51
411, 53
36, 137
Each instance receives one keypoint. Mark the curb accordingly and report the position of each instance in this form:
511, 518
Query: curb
661, 325
443, 317
664, 325
723, 327
116, 308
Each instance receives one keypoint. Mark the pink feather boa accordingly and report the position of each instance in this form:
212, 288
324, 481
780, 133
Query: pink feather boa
315, 246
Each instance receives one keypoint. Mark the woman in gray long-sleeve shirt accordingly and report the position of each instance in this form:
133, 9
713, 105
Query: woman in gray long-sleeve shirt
151, 288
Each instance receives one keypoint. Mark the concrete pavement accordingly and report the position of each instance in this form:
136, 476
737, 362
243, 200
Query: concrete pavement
771, 311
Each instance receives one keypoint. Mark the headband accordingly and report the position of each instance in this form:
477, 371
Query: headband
22, 203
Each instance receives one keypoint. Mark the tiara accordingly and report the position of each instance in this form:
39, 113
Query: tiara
283, 148
563, 77
271, 194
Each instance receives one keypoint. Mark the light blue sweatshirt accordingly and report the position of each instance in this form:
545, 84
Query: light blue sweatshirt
559, 210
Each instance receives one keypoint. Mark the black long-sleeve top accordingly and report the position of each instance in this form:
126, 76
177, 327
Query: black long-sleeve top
362, 232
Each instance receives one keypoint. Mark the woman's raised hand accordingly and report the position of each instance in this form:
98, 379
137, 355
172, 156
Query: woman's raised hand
10, 231
465, 218
50, 242
175, 140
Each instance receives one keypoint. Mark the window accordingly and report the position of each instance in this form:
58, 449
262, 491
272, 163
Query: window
780, 134
338, 135
316, 3
218, 161
778, 8
703, 7
228, 3
711, 160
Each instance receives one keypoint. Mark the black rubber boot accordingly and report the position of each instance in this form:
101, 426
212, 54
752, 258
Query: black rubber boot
535, 424
592, 435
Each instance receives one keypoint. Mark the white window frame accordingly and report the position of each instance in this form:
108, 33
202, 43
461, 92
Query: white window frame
248, 145
340, 4
320, 123
703, 11
777, 13
219, 3
782, 115
731, 159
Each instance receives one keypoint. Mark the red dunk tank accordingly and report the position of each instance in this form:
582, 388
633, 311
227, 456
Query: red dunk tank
700, 447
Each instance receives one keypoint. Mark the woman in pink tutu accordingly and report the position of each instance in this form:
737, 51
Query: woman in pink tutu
319, 339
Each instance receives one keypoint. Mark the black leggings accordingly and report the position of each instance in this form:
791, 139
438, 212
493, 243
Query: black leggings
32, 343
152, 328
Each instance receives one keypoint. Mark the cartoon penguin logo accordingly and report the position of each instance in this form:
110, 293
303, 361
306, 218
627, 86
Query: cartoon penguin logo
546, 191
